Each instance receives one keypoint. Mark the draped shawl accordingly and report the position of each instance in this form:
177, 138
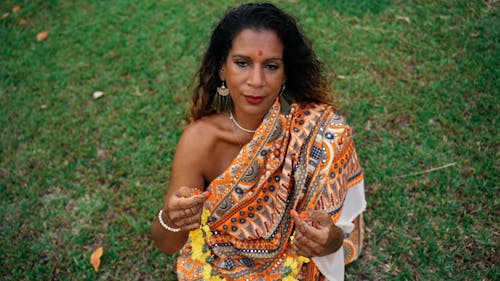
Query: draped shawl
301, 157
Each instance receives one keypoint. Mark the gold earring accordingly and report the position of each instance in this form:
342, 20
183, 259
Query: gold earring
222, 101
222, 90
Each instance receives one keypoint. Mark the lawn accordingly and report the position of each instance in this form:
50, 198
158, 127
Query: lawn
417, 80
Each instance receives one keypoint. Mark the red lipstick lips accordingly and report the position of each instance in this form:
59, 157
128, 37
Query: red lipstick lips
254, 99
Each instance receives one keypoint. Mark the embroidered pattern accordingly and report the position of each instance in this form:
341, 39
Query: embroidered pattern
303, 159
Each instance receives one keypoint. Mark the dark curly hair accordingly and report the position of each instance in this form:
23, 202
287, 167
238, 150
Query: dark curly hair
304, 79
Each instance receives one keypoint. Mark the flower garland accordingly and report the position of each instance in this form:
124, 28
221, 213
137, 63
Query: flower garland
292, 266
201, 252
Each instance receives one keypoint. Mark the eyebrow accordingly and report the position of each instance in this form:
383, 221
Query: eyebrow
247, 57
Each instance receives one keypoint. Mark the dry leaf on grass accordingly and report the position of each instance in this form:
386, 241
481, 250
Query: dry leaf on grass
403, 18
42, 36
16, 8
6, 15
98, 94
95, 258
22, 22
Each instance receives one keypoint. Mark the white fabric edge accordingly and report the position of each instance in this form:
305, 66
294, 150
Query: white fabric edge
332, 265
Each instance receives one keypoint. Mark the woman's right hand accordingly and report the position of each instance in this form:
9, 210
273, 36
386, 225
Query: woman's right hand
183, 209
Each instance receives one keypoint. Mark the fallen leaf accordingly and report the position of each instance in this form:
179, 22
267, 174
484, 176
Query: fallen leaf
475, 34
6, 15
43, 106
138, 92
42, 36
341, 77
403, 18
95, 258
16, 8
98, 94
22, 22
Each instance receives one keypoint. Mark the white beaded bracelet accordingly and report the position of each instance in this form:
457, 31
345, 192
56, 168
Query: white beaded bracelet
165, 225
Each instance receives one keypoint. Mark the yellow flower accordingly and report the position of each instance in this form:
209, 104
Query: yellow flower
207, 272
206, 231
204, 216
292, 266
303, 259
291, 262
200, 250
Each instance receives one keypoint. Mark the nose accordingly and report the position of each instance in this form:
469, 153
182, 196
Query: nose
256, 77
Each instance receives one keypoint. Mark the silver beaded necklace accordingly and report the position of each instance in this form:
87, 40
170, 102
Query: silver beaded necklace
238, 125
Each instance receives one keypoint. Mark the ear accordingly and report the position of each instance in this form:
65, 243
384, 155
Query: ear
222, 72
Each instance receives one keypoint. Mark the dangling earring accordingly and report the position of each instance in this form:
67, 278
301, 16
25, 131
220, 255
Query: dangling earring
282, 89
222, 90
222, 101
285, 101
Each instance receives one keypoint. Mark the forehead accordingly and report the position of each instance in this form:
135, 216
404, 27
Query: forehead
251, 42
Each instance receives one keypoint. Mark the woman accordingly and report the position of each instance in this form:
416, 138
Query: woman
265, 182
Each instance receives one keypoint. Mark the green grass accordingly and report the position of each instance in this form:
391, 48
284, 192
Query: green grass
77, 173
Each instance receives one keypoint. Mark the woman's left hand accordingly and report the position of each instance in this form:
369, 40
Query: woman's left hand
319, 238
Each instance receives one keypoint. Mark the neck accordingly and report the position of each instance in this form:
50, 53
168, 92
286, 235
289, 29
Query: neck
243, 126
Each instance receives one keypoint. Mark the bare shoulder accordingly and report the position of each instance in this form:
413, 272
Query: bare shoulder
200, 152
202, 134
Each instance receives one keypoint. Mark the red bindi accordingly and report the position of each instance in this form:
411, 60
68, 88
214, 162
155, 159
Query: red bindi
260, 53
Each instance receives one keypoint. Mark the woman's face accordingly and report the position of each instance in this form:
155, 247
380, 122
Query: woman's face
254, 71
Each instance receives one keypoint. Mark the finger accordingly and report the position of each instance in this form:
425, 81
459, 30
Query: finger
190, 227
178, 202
295, 216
301, 224
318, 236
307, 246
185, 214
311, 239
311, 232
190, 219
194, 219
304, 250
193, 192
186, 191
302, 244
320, 217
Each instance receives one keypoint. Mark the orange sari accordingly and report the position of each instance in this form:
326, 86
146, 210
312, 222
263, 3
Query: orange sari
301, 157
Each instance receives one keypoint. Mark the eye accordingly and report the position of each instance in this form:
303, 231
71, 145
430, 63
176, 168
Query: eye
272, 67
241, 63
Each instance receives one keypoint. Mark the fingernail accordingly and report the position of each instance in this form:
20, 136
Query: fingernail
303, 215
208, 194
197, 192
291, 213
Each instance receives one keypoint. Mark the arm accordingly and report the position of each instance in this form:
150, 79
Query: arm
181, 207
